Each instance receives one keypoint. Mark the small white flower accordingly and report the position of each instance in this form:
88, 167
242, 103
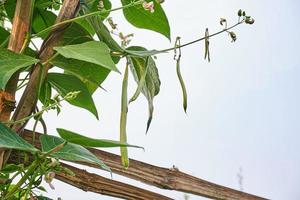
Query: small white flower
149, 6
48, 178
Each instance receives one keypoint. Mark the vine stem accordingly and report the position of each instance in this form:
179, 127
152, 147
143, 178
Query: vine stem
20, 121
87, 15
200, 39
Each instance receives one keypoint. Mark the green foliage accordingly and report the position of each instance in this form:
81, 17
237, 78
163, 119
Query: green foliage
90, 142
41, 20
151, 83
81, 35
45, 93
9, 7
94, 52
10, 63
65, 83
87, 53
141, 18
10, 139
90, 74
69, 152
3, 34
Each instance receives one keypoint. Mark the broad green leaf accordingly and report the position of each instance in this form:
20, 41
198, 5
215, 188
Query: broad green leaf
151, 84
86, 25
75, 34
11, 140
30, 52
10, 7
11, 62
141, 18
92, 6
70, 152
43, 4
3, 34
65, 83
41, 20
91, 74
47, 4
94, 52
90, 142
100, 29
10, 168
141, 83
45, 93
123, 120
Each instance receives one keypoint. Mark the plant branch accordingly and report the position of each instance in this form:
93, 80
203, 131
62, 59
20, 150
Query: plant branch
85, 16
20, 29
171, 179
90, 182
29, 97
94, 183
69, 96
28, 100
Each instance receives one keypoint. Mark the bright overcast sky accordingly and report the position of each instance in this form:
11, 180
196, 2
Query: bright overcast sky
243, 107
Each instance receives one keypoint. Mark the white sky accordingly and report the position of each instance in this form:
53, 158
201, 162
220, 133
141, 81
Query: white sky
243, 106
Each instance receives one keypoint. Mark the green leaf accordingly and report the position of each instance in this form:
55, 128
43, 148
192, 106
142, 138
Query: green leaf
11, 62
43, 4
151, 84
102, 31
94, 52
10, 7
90, 142
10, 168
65, 83
92, 6
45, 93
123, 119
11, 140
41, 20
3, 34
75, 34
91, 74
141, 83
70, 152
141, 18
86, 25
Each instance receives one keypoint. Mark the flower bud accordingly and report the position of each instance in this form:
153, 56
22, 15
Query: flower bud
48, 178
249, 20
222, 21
233, 36
54, 162
100, 5
240, 13
149, 6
